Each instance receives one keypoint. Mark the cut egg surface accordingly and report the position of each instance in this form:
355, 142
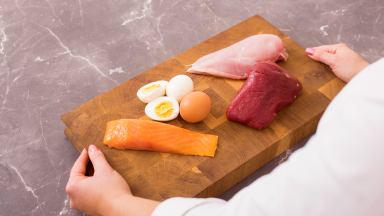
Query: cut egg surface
179, 86
162, 109
152, 91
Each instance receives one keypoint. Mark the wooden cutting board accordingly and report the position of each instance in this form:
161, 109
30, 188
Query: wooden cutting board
241, 150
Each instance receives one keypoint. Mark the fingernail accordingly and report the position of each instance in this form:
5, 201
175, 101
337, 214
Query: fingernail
92, 148
310, 51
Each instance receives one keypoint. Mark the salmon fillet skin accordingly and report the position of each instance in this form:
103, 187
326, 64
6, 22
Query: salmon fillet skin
267, 91
236, 61
155, 136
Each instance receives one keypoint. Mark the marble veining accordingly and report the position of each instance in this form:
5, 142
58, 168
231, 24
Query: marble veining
57, 54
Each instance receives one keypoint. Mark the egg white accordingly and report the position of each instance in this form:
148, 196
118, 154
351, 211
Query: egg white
150, 109
146, 98
179, 86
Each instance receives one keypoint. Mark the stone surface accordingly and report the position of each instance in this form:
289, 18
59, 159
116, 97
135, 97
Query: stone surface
57, 54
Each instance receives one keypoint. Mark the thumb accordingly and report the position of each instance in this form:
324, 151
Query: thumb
80, 165
320, 55
99, 162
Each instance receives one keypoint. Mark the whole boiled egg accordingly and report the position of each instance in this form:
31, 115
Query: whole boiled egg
162, 109
179, 86
195, 106
152, 91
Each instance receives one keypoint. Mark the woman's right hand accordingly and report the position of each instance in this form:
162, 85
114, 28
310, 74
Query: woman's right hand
344, 62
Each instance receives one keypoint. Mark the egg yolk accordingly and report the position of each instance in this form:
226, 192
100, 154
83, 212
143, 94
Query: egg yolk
150, 88
164, 109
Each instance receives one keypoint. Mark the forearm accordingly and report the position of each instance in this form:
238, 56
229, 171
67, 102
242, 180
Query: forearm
131, 206
338, 172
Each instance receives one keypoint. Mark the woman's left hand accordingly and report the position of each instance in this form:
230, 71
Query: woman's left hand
95, 195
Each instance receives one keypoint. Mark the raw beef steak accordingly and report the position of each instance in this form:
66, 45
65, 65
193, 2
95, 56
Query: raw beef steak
268, 90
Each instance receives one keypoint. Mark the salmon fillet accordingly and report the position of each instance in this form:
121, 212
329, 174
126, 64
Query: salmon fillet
156, 136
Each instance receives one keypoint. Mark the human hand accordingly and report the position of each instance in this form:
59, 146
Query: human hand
344, 62
95, 195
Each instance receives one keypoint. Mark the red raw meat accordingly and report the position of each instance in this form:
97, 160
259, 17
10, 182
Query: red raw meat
268, 90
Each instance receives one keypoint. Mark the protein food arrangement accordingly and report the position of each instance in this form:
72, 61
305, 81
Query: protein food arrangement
267, 90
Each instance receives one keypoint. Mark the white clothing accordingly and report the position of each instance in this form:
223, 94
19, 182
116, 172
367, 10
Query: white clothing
340, 171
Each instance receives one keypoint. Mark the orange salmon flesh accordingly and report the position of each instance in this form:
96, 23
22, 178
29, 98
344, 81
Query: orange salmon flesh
155, 136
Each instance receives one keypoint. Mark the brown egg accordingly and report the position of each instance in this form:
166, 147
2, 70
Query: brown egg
195, 106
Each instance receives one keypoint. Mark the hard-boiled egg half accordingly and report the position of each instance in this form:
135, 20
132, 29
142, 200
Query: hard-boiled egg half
152, 91
179, 86
162, 109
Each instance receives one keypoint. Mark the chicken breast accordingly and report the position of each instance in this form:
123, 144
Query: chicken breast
236, 61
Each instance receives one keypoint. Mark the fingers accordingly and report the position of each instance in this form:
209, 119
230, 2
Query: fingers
99, 162
334, 48
330, 48
79, 168
321, 55
326, 53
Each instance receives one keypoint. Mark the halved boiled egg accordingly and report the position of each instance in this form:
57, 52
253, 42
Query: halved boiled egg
152, 91
162, 109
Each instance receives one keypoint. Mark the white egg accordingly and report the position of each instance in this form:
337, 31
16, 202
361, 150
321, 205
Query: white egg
179, 86
152, 91
162, 109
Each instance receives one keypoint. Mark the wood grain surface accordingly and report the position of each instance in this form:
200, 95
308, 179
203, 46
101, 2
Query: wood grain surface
241, 150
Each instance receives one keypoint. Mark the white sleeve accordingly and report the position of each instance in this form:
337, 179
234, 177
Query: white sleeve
340, 171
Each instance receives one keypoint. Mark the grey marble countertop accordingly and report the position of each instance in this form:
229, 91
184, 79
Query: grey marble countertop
57, 54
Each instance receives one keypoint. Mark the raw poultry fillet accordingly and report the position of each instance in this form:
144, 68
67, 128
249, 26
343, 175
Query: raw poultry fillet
155, 136
236, 61
268, 90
